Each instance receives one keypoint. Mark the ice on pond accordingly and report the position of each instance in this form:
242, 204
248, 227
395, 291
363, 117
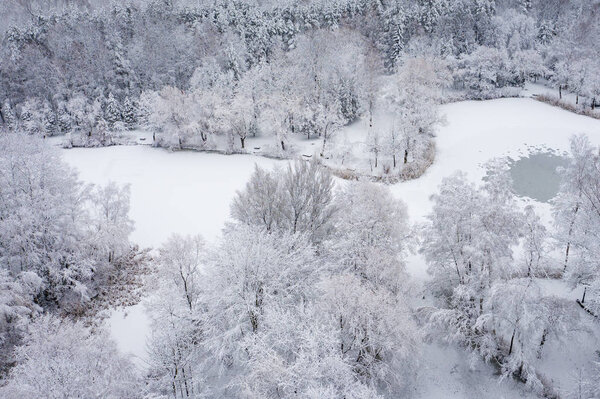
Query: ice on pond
536, 176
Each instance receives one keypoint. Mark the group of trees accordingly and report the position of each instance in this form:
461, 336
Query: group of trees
209, 74
492, 302
577, 216
408, 143
311, 90
302, 297
95, 122
64, 253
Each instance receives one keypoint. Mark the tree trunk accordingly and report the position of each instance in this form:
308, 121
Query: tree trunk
542, 342
242, 142
481, 306
405, 157
570, 233
324, 140
560, 91
282, 145
394, 157
185, 384
341, 333
567, 256
512, 340
577, 99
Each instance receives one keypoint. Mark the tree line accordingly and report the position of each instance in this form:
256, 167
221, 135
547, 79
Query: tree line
210, 74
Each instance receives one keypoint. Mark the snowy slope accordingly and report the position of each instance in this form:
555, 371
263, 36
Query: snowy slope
189, 193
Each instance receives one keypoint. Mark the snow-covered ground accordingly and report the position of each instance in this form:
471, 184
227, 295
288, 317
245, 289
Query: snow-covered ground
190, 193
182, 192
171, 192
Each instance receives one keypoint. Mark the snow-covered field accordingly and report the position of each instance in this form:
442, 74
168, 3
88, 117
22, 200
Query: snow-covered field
189, 192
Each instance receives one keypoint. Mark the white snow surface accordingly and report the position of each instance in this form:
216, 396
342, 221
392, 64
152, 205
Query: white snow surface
182, 192
190, 192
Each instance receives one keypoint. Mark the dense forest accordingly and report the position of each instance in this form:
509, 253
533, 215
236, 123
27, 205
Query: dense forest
209, 74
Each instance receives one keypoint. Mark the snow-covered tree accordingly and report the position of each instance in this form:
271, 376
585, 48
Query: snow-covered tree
296, 199
468, 239
174, 345
377, 334
168, 116
375, 145
16, 306
577, 217
130, 112
37, 117
250, 271
113, 225
371, 234
7, 113
243, 117
297, 354
83, 114
112, 110
59, 358
535, 244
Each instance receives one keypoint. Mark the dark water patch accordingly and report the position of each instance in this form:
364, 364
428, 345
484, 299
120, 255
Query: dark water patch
535, 176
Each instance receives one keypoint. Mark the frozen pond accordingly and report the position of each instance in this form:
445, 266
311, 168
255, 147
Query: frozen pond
536, 176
